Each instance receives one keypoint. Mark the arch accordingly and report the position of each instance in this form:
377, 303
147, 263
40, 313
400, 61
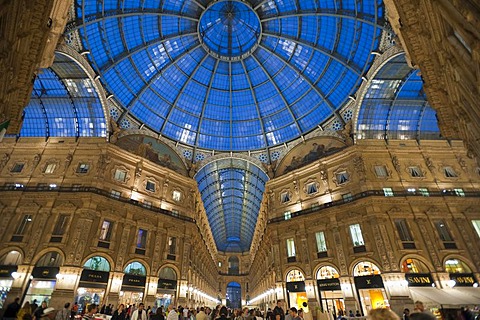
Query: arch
234, 295
454, 264
101, 255
233, 265
168, 273
294, 274
136, 268
13, 257
365, 267
44, 258
417, 258
326, 272
97, 263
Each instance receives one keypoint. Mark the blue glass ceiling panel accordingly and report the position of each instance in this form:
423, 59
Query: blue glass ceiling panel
245, 67
232, 191
64, 103
395, 105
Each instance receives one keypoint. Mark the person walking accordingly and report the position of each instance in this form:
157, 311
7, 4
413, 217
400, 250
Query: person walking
12, 310
64, 314
139, 313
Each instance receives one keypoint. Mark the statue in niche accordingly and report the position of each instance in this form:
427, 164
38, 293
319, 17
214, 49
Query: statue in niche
269, 167
346, 133
116, 130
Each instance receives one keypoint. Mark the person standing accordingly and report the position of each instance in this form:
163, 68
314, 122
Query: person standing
91, 310
278, 311
74, 310
120, 313
64, 314
39, 311
139, 313
294, 313
172, 314
201, 314
25, 312
12, 310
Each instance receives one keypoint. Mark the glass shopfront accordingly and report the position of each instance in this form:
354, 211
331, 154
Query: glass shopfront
330, 291
133, 285
93, 282
369, 286
42, 284
6, 281
166, 289
296, 293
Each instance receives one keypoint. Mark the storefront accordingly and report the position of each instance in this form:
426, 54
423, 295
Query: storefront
167, 288
329, 291
369, 287
93, 282
42, 283
133, 285
296, 293
6, 281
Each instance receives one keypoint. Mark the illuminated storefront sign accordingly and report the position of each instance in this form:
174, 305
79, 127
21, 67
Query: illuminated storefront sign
419, 279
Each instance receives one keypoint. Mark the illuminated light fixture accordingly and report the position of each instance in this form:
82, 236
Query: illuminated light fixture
451, 283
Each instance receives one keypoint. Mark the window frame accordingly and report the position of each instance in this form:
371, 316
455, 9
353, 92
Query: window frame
321, 241
291, 252
82, 168
108, 233
356, 235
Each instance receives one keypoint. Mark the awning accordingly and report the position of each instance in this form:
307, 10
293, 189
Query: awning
446, 297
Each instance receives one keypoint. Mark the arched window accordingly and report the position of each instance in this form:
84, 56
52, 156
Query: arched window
13, 258
456, 266
365, 268
295, 275
97, 263
167, 273
50, 259
136, 269
327, 272
414, 266
234, 295
233, 265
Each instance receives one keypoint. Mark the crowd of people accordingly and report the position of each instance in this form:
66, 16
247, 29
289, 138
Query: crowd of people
33, 311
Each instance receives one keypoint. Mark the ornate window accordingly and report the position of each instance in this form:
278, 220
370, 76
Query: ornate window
476, 226
120, 175
380, 171
136, 269
150, 186
321, 243
285, 197
356, 233
50, 168
327, 272
106, 232
341, 177
291, 248
449, 172
17, 167
415, 172
83, 168
141, 239
311, 187
97, 263
176, 195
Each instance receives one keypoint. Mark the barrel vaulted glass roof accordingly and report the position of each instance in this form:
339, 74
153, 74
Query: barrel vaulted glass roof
395, 105
64, 103
232, 191
230, 75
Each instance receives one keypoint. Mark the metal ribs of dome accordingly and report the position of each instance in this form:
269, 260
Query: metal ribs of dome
310, 57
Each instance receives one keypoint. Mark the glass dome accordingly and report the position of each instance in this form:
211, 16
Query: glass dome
230, 75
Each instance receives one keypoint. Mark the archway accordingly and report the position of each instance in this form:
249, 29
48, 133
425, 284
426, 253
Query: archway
44, 276
233, 265
234, 295
8, 267
133, 284
296, 293
93, 282
329, 290
369, 286
166, 289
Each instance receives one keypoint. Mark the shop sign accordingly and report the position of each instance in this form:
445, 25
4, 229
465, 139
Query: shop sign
296, 286
463, 279
329, 285
419, 279
45, 272
6, 271
94, 276
167, 284
368, 282
134, 281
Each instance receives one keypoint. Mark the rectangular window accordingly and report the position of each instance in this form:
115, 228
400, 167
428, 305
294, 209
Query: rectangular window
17, 167
150, 186
142, 239
424, 192
381, 171
476, 226
83, 168
342, 177
388, 192
22, 227
49, 168
61, 225
287, 215
347, 197
321, 243
443, 232
175, 212
356, 233
449, 172
115, 194
76, 187
120, 175
312, 188
147, 204
177, 195
290, 248
172, 245
403, 230
106, 231
415, 172
285, 197
459, 192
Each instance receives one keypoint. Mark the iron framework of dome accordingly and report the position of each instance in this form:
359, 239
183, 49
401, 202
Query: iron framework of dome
230, 75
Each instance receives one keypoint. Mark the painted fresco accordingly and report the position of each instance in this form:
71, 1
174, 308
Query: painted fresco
153, 150
308, 152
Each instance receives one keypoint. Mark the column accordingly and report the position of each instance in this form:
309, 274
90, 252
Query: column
151, 290
21, 279
67, 282
113, 288
397, 290
348, 289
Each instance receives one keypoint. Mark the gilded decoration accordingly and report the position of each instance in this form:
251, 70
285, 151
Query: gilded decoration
153, 150
308, 152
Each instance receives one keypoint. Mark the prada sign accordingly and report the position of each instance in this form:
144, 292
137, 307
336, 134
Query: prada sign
419, 279
134, 281
329, 285
368, 282
45, 272
296, 286
6, 271
94, 276
167, 284
463, 279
